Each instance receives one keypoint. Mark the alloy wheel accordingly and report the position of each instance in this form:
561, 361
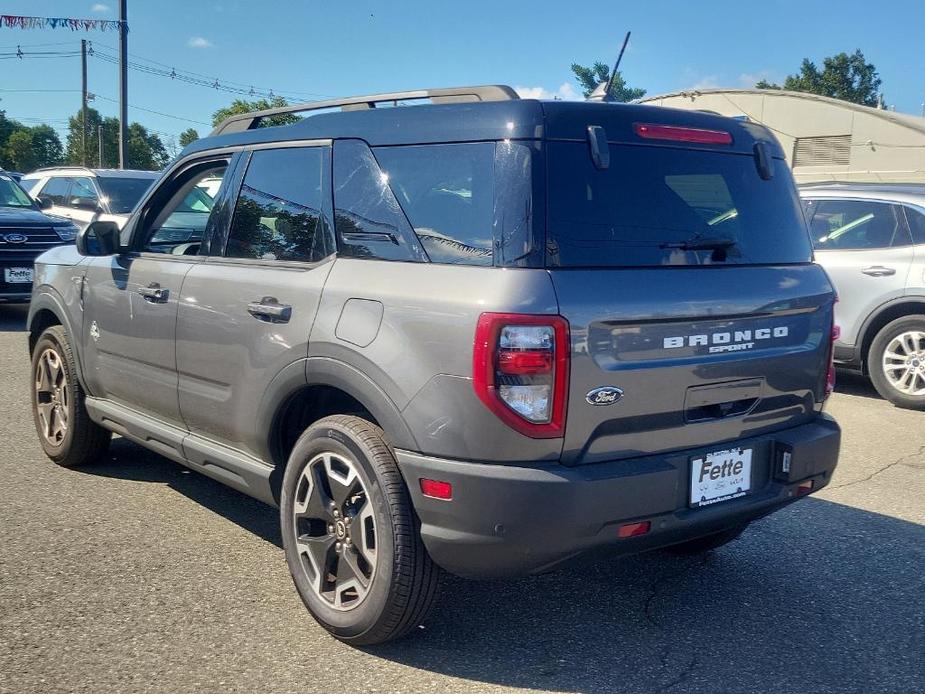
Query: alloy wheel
904, 362
335, 530
52, 396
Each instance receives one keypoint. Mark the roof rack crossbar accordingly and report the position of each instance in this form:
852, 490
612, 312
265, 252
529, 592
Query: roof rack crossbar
249, 121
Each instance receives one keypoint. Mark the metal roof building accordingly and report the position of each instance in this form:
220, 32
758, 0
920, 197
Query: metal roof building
825, 139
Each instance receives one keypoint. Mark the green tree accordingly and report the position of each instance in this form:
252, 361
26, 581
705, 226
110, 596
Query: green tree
589, 78
239, 106
8, 126
30, 148
843, 76
188, 136
145, 149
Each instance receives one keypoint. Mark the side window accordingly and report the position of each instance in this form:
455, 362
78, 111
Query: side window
278, 213
180, 224
446, 191
56, 190
83, 194
369, 221
856, 225
916, 225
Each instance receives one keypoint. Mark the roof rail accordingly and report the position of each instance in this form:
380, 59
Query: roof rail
249, 121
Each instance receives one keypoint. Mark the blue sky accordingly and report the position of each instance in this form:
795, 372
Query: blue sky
311, 47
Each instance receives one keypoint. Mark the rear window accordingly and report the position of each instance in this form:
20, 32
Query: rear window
653, 204
123, 194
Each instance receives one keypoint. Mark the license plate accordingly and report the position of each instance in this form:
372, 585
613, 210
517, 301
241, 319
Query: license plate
720, 476
17, 274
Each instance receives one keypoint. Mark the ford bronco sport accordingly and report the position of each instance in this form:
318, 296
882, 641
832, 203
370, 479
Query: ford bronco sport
484, 334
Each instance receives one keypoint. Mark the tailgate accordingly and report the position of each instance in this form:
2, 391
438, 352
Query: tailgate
702, 355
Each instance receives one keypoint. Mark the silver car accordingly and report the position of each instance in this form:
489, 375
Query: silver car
871, 240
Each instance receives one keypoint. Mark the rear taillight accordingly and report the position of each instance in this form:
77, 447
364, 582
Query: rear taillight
653, 131
520, 370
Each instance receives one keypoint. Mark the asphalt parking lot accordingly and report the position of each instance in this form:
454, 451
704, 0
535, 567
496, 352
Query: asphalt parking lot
138, 575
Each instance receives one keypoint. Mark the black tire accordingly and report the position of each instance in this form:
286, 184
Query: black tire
875, 358
707, 543
83, 441
402, 590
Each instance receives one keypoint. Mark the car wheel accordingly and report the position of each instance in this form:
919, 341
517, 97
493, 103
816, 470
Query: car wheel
351, 536
706, 543
896, 362
67, 434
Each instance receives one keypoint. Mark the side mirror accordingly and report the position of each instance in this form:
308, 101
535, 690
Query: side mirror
90, 204
44, 203
98, 239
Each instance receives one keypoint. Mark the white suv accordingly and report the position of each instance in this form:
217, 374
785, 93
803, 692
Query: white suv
86, 195
870, 238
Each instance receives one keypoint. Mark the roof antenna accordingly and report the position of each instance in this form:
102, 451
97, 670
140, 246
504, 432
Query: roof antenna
602, 92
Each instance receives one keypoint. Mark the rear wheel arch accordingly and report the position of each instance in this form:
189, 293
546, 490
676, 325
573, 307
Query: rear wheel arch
881, 318
327, 387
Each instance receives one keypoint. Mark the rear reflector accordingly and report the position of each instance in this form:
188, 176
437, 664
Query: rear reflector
651, 131
804, 487
436, 489
634, 529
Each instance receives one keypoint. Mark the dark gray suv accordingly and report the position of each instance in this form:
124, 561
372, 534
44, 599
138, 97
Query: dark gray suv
482, 333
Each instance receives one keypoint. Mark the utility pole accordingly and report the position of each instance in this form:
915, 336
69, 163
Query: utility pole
123, 84
83, 109
99, 135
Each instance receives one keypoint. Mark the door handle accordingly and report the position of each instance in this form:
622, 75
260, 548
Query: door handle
879, 271
269, 310
154, 294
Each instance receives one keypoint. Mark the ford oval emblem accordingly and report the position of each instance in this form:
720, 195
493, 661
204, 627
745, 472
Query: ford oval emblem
15, 238
606, 395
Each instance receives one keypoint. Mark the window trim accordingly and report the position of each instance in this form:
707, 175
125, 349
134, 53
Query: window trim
902, 219
219, 243
137, 231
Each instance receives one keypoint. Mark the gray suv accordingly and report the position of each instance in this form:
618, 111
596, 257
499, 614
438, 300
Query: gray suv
870, 238
479, 334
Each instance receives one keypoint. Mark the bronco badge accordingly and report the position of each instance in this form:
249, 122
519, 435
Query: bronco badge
606, 395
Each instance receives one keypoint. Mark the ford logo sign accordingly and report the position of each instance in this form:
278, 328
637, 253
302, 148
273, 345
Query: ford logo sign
15, 238
606, 395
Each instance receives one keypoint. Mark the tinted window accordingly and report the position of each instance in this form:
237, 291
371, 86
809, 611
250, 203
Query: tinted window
855, 225
11, 195
56, 190
917, 225
369, 221
652, 201
82, 189
278, 212
122, 194
446, 193
180, 225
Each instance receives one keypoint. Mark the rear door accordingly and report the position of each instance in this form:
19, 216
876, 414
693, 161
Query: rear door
687, 281
246, 313
866, 248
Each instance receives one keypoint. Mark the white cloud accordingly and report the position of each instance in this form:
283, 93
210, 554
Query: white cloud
565, 92
199, 42
750, 79
99, 7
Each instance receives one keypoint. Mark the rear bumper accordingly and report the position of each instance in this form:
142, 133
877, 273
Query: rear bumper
511, 520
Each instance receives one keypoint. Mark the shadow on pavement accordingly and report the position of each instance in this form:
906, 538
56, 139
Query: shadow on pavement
853, 383
820, 597
13, 317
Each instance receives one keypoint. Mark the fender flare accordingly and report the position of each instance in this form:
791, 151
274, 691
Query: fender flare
47, 298
324, 371
874, 315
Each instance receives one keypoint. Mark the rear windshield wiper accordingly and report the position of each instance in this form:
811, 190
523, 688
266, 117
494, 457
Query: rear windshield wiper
702, 243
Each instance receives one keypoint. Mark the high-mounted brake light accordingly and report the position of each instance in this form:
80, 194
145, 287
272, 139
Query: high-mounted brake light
653, 131
520, 370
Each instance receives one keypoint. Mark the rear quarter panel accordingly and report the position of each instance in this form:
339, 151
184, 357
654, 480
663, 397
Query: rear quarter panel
420, 353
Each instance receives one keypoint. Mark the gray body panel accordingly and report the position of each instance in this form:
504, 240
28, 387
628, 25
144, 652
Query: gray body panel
204, 374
